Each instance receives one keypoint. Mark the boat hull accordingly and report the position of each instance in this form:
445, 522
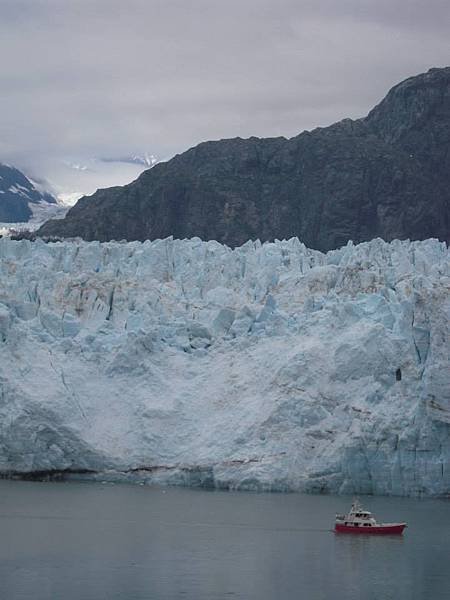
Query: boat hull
388, 529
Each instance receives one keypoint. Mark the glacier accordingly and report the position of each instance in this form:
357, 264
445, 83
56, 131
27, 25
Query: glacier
265, 367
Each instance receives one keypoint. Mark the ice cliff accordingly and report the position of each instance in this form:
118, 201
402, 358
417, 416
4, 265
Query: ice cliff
267, 367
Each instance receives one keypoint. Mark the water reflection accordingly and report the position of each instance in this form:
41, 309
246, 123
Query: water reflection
76, 541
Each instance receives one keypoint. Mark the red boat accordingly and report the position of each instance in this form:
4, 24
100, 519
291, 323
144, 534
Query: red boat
362, 521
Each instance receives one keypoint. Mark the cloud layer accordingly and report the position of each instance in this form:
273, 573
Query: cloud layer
108, 77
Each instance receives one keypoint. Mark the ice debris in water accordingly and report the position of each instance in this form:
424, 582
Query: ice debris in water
269, 367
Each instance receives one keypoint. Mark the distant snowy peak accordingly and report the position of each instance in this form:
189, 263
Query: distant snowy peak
76, 166
94, 164
146, 159
17, 193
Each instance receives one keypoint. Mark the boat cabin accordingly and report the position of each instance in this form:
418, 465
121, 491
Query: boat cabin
357, 517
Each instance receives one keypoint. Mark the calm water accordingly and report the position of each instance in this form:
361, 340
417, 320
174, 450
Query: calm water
68, 541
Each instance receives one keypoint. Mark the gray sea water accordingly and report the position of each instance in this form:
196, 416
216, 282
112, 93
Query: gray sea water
70, 541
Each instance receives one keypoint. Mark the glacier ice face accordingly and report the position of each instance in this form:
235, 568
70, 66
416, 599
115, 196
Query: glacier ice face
269, 367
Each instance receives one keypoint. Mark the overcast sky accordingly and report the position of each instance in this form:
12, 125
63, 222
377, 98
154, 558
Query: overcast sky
104, 78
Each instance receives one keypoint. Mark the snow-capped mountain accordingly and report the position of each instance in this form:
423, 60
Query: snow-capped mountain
267, 367
19, 195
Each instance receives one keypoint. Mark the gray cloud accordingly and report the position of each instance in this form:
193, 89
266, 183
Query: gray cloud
109, 77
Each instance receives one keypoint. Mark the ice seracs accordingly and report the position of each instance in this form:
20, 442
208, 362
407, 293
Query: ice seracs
270, 366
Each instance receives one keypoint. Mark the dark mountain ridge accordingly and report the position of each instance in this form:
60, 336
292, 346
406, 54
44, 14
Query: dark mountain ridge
386, 175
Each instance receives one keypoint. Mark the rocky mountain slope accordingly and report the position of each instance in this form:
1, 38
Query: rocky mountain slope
18, 196
386, 175
267, 367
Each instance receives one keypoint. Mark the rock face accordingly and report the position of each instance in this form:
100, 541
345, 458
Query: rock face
268, 367
17, 192
387, 175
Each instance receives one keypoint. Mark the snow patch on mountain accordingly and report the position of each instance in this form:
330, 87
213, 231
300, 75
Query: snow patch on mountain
19, 195
266, 367
146, 159
25, 204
